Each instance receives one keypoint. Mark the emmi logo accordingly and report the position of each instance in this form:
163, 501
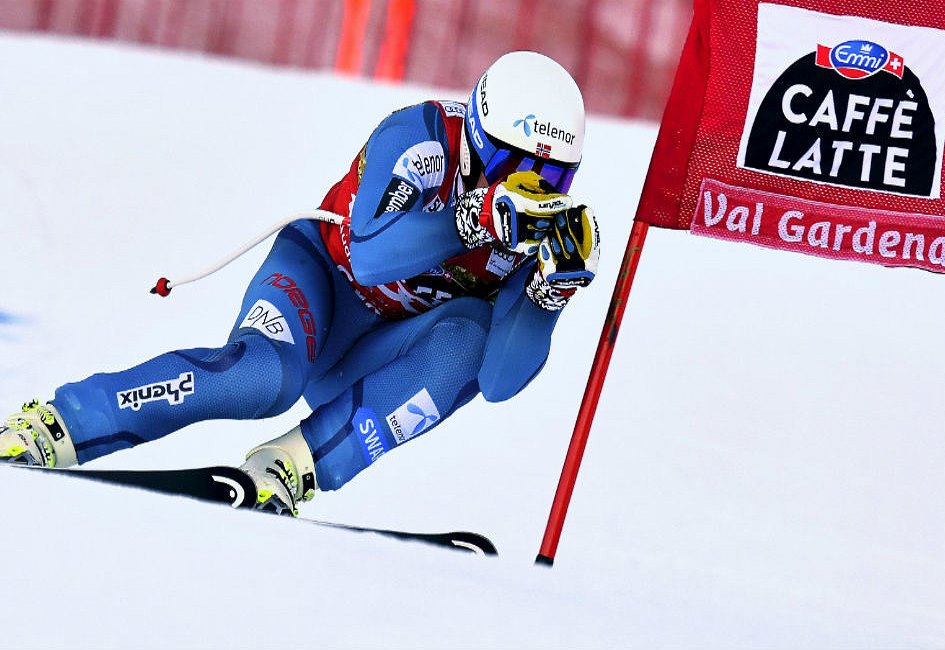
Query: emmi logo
859, 59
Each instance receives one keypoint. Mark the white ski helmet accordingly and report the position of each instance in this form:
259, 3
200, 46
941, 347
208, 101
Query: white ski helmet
525, 113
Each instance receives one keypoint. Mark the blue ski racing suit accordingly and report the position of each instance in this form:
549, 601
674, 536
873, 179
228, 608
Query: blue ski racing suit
386, 324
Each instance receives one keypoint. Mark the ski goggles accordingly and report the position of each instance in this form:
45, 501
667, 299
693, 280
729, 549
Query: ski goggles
499, 160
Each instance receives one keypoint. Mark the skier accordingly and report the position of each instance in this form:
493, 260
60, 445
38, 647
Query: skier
461, 249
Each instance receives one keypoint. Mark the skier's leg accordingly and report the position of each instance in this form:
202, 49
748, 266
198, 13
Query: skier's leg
260, 372
408, 377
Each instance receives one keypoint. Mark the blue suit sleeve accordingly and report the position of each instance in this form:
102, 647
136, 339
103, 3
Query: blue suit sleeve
392, 238
518, 343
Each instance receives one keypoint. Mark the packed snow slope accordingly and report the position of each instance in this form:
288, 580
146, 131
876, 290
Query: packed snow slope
765, 469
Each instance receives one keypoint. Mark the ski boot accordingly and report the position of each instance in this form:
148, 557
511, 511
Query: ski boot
284, 472
37, 436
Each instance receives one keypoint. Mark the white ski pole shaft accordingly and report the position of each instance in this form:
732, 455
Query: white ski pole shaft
163, 286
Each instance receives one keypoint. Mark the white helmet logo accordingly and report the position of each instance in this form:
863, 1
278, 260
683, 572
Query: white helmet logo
542, 128
525, 125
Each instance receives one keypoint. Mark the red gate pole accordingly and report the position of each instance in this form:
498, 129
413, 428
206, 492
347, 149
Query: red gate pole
595, 382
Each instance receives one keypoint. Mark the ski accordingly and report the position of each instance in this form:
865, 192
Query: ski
225, 484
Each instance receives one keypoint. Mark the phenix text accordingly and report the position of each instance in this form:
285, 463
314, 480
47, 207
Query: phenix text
173, 391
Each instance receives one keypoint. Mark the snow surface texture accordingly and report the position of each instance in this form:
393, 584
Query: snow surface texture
765, 470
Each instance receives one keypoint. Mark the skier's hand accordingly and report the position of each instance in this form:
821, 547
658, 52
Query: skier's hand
520, 211
516, 213
567, 258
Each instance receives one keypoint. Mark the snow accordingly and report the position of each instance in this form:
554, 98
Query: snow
765, 469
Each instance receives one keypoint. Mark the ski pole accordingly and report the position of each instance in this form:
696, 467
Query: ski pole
163, 286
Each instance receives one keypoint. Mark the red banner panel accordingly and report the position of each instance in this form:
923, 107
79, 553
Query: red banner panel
808, 126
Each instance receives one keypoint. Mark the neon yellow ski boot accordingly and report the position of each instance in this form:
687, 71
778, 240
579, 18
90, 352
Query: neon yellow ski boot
284, 472
37, 436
